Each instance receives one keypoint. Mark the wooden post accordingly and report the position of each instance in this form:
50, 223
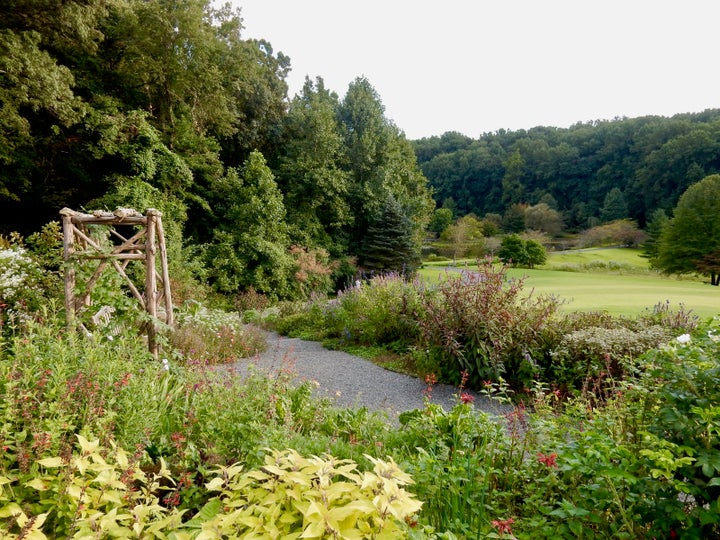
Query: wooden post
69, 267
151, 280
169, 317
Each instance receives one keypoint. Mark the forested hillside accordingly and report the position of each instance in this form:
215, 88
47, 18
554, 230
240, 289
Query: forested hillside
588, 170
165, 104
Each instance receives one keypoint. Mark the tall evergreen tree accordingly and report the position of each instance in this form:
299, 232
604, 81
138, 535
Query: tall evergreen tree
658, 221
250, 246
389, 245
615, 206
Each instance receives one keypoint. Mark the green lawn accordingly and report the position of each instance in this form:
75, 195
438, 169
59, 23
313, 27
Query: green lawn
619, 294
620, 256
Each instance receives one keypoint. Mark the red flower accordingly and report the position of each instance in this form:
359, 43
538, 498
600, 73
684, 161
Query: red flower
467, 398
503, 526
550, 460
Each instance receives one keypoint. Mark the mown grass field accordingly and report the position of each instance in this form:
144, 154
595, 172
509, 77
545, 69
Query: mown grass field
615, 280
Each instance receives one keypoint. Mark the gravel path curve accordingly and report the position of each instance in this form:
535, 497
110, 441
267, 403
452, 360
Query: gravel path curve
352, 381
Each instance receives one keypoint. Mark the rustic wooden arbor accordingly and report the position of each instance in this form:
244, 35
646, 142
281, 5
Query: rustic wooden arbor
142, 246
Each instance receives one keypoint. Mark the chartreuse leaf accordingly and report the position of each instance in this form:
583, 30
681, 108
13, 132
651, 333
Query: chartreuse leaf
51, 462
37, 483
11, 509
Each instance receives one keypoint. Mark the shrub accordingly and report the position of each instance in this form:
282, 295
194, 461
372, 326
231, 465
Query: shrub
594, 358
320, 497
29, 276
381, 311
482, 324
104, 492
683, 443
212, 336
94, 492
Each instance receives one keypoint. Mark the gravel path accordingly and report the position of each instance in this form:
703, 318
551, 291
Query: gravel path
351, 381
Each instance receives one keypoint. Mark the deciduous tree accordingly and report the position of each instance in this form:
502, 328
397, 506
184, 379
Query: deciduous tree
541, 217
310, 174
441, 218
518, 252
691, 240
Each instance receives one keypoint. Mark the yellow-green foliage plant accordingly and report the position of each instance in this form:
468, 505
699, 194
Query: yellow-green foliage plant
94, 493
100, 492
316, 498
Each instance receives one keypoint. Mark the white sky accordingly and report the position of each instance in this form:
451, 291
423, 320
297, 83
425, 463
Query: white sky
476, 66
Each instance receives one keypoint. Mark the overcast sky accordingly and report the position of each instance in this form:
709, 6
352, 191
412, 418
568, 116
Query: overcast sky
476, 66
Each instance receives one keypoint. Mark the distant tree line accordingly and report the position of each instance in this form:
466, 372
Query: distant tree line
591, 173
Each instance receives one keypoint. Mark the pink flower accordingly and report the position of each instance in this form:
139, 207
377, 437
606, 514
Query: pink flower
464, 378
549, 460
467, 398
503, 526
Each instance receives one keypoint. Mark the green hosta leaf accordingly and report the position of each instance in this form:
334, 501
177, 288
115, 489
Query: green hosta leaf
208, 512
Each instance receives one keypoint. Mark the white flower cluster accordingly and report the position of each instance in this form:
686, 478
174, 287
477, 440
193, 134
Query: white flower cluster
13, 272
213, 319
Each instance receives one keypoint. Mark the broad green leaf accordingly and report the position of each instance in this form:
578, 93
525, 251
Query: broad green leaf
208, 512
